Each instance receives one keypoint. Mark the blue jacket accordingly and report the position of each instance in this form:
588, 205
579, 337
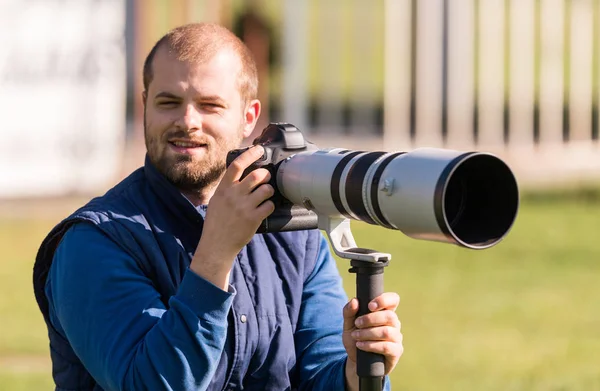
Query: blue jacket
124, 312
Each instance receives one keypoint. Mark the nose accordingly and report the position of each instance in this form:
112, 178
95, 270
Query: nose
190, 119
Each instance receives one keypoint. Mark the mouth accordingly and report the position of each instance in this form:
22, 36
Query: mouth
186, 146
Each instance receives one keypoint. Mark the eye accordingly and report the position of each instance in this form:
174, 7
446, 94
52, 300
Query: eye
211, 106
167, 103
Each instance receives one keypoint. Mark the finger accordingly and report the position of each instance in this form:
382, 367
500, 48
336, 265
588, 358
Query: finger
387, 300
383, 333
349, 312
255, 179
264, 210
388, 349
260, 194
236, 168
380, 318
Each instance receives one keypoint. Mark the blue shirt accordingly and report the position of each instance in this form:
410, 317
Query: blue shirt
120, 329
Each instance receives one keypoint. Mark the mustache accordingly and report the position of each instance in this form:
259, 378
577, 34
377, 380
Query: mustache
184, 135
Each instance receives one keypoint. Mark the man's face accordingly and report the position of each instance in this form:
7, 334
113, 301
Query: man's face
193, 116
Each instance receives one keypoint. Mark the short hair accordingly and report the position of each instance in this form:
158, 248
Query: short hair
199, 42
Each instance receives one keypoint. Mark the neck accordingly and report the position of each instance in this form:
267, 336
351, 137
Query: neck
200, 196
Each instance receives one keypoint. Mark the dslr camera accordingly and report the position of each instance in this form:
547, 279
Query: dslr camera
465, 198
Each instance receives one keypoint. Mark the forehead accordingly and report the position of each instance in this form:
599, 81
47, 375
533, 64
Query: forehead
218, 72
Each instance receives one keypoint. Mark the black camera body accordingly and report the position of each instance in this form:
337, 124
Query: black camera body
280, 140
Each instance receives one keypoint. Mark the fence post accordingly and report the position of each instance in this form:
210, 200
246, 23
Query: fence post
461, 19
397, 60
429, 73
491, 73
295, 64
551, 72
522, 17
580, 87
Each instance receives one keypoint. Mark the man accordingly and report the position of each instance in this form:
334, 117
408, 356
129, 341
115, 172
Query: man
162, 282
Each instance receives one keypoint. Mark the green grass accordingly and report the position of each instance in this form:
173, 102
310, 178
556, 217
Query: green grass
22, 330
24, 357
22, 381
522, 315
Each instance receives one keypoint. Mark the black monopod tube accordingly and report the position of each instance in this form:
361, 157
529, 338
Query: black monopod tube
370, 367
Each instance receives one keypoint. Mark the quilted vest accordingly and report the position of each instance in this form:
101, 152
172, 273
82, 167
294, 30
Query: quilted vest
157, 226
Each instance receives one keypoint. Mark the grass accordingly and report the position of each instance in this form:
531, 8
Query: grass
522, 315
519, 316
24, 357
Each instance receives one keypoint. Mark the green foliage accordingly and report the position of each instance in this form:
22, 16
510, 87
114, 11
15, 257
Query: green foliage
519, 316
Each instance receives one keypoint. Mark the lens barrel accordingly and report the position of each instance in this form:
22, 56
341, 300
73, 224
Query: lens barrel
466, 198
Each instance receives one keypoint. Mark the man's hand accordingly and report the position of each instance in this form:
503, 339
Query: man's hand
376, 332
234, 214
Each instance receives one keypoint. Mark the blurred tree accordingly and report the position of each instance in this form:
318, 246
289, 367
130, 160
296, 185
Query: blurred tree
254, 29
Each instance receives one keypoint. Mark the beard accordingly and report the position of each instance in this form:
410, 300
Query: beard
191, 173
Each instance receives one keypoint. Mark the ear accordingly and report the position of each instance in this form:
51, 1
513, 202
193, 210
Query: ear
144, 97
251, 114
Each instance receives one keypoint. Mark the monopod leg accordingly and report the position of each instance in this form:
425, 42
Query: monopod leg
369, 284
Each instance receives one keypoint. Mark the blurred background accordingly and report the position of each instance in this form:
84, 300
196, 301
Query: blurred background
520, 78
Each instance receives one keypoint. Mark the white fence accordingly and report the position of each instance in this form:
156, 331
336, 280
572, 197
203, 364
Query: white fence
520, 78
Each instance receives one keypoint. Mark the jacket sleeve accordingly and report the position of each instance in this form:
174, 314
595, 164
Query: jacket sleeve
119, 328
321, 355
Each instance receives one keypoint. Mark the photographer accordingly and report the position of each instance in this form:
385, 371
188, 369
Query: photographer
162, 283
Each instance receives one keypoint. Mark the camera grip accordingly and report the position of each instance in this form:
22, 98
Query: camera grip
264, 161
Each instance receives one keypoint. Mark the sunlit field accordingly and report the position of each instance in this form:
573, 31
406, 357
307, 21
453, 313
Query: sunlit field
523, 315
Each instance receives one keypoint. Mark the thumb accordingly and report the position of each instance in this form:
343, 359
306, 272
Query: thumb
350, 311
